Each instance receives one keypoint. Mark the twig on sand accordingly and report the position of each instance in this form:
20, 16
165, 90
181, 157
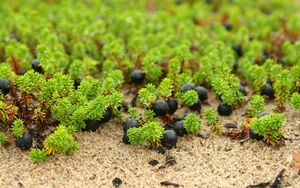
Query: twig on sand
275, 184
260, 185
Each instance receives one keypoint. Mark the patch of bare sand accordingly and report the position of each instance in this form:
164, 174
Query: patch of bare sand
214, 162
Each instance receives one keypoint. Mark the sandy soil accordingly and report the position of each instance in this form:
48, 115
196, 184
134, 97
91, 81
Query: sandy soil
212, 162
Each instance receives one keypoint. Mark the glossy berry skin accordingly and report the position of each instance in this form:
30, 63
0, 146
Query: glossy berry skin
137, 76
77, 82
269, 81
4, 86
255, 136
238, 50
173, 105
227, 26
179, 128
161, 108
107, 116
202, 93
224, 110
24, 142
125, 139
186, 87
129, 123
242, 89
92, 125
170, 139
36, 66
267, 90
196, 106
117, 182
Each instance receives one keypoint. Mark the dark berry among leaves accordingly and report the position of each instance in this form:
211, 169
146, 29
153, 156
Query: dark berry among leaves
238, 50
202, 93
77, 82
187, 87
267, 90
255, 136
117, 182
269, 81
24, 142
196, 106
107, 115
137, 76
170, 139
224, 110
242, 89
129, 123
4, 86
179, 128
173, 105
36, 66
161, 107
92, 125
227, 26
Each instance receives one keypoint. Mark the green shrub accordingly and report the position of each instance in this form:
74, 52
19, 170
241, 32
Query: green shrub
60, 141
192, 123
38, 156
18, 127
269, 126
295, 100
256, 106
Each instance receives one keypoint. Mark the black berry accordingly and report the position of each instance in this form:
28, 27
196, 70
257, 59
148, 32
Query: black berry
92, 125
129, 123
196, 106
14, 36
202, 93
224, 109
117, 182
255, 136
77, 82
107, 115
238, 50
173, 105
4, 86
267, 90
187, 87
269, 81
36, 66
137, 76
170, 139
227, 26
24, 142
125, 138
242, 89
179, 128
161, 107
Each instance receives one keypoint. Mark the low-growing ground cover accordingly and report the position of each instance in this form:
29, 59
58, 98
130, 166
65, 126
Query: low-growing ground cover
159, 75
